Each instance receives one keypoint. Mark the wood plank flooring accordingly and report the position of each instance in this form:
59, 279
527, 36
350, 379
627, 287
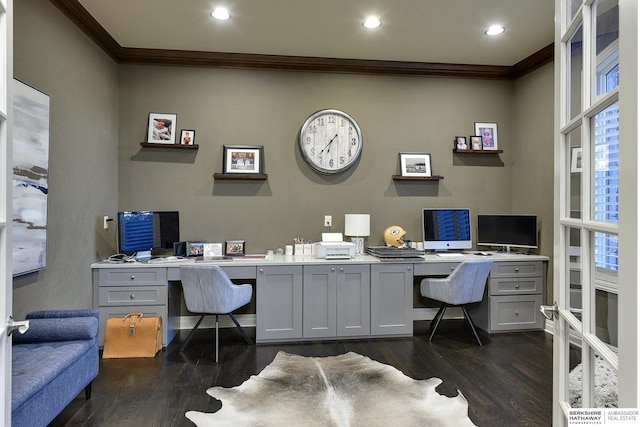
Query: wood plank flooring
507, 382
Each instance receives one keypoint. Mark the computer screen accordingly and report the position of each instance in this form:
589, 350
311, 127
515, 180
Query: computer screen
147, 230
135, 231
166, 229
508, 230
446, 229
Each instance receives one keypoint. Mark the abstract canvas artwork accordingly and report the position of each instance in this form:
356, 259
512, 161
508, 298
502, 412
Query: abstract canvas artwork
30, 178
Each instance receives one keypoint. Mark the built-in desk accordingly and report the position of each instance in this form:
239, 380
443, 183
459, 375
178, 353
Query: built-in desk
301, 297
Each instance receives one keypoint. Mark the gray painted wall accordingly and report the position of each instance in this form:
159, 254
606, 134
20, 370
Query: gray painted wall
93, 98
51, 54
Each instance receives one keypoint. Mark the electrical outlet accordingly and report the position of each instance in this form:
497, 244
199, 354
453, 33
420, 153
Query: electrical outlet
105, 223
327, 220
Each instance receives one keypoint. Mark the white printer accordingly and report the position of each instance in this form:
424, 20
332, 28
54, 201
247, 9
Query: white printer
332, 247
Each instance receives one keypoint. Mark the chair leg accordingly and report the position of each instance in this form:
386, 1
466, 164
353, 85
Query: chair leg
217, 337
244, 333
473, 328
437, 320
184, 344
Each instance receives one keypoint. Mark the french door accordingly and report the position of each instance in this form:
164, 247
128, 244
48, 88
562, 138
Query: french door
6, 170
596, 218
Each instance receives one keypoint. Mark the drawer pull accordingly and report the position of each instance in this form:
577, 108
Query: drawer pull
517, 269
132, 296
517, 313
333, 269
517, 286
261, 271
341, 269
133, 277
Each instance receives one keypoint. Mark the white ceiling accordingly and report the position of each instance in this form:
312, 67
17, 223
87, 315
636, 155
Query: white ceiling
445, 31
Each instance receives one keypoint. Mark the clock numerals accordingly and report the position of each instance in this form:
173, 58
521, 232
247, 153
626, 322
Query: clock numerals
342, 159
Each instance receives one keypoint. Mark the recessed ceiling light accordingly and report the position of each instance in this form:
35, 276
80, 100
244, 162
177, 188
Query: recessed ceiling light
220, 13
372, 22
494, 30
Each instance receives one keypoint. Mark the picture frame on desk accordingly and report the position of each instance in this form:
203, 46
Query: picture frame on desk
194, 248
162, 128
212, 249
234, 248
243, 159
489, 134
415, 164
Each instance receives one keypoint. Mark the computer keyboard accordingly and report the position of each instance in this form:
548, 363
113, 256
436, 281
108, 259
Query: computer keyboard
449, 255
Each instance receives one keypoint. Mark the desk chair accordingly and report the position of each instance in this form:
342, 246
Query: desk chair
208, 290
464, 285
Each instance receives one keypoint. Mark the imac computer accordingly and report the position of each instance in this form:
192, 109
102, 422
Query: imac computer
147, 230
445, 229
508, 231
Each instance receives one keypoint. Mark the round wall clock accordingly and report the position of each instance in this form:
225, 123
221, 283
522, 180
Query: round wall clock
330, 141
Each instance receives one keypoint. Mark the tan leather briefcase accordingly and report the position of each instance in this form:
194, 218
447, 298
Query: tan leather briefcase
132, 336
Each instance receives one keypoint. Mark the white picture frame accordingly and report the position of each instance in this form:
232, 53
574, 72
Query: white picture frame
415, 164
489, 134
162, 128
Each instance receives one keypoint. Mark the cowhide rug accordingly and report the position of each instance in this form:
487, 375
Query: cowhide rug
347, 390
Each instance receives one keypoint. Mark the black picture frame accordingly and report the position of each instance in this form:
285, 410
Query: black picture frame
415, 164
234, 248
187, 137
475, 142
460, 143
243, 159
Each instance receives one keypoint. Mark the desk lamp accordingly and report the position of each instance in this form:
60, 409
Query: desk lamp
357, 226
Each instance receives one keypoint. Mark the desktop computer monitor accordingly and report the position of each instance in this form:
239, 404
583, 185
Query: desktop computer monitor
147, 230
508, 231
446, 229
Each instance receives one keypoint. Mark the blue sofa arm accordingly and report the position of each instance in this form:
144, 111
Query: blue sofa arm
51, 329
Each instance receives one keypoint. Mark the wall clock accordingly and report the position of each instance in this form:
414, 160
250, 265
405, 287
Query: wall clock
330, 141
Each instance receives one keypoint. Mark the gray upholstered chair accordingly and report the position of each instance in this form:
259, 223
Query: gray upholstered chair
464, 285
208, 290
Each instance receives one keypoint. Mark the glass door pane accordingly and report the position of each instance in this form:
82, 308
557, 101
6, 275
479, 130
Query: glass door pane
574, 168
574, 85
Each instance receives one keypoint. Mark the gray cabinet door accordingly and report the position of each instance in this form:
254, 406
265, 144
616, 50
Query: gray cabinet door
353, 315
392, 299
319, 301
278, 303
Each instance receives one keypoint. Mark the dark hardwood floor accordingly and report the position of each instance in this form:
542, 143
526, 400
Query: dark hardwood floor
507, 382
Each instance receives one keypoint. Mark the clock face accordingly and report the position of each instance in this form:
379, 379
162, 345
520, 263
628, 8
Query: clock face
330, 141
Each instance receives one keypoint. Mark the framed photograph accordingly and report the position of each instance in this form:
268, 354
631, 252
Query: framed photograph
212, 249
576, 159
475, 141
415, 164
187, 137
194, 248
162, 128
488, 132
234, 248
243, 159
461, 143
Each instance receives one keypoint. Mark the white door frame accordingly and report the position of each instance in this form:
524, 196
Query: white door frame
6, 280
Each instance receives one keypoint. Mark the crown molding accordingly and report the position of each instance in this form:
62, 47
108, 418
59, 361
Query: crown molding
124, 55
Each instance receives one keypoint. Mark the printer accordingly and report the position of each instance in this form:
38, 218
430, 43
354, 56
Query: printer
332, 247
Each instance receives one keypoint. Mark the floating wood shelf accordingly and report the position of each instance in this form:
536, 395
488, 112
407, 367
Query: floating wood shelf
417, 178
249, 176
455, 150
177, 146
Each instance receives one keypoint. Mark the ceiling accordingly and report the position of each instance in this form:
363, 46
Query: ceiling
412, 31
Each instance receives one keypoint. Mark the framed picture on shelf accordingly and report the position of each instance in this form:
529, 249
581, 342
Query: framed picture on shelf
212, 249
243, 159
576, 159
475, 141
161, 128
415, 164
488, 132
187, 137
460, 143
234, 247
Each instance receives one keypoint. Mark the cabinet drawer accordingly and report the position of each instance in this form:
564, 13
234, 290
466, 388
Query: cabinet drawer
515, 285
128, 277
516, 312
139, 295
239, 272
517, 268
434, 269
